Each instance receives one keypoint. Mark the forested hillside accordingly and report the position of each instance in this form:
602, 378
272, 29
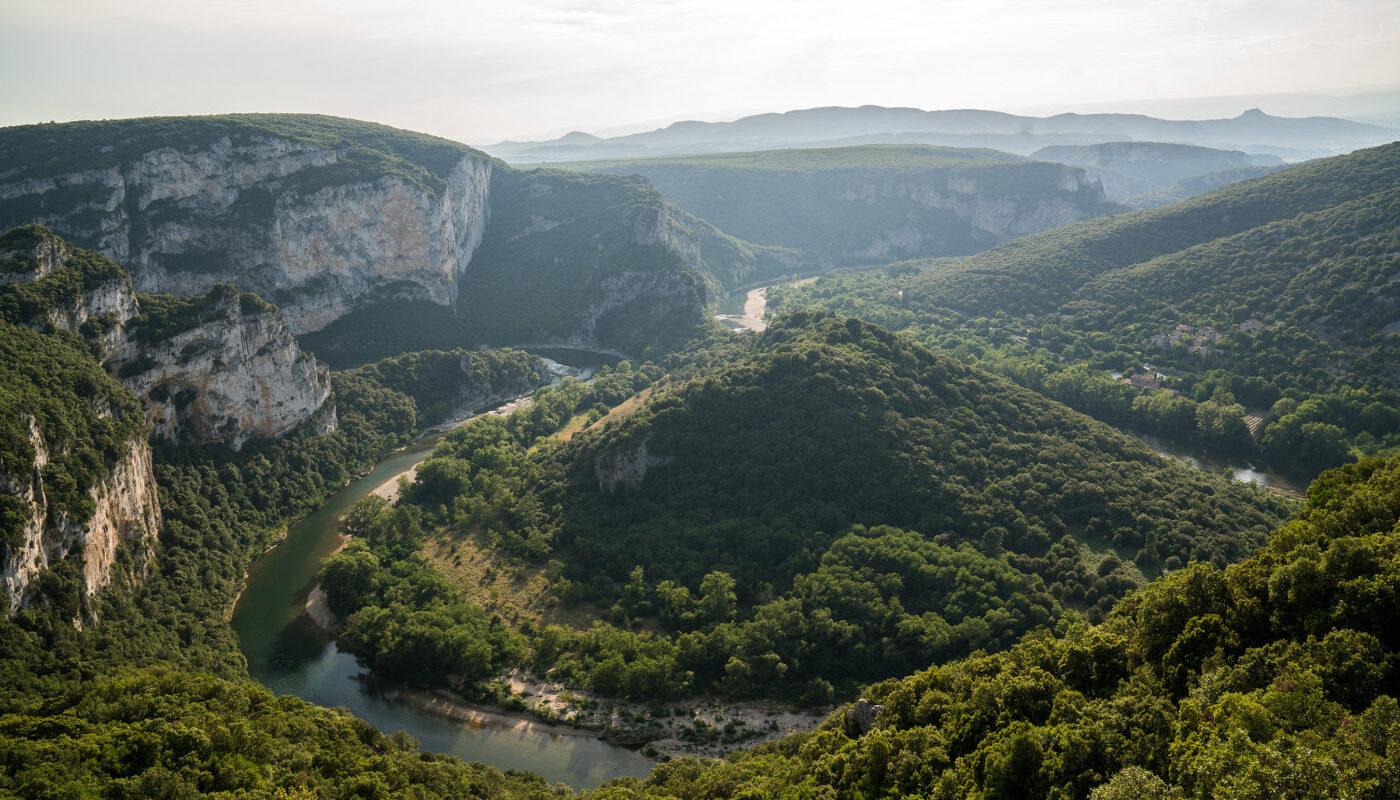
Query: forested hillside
1274, 342
872, 204
1038, 273
1273, 678
824, 504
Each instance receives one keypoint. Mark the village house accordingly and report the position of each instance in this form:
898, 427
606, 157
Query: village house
1142, 380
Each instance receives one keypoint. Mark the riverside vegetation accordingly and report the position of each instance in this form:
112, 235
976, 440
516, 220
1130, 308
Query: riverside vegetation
767, 574
812, 513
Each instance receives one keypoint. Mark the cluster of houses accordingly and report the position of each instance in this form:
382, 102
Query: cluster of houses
1203, 337
1200, 342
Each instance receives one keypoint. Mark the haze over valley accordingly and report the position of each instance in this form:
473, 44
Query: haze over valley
1029, 429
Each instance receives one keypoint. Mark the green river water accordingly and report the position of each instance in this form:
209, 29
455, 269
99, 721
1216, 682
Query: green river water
290, 654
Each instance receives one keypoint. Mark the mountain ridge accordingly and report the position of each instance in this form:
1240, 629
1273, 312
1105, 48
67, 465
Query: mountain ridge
1251, 130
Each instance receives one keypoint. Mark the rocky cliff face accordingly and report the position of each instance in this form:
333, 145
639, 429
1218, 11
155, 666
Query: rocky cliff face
626, 467
338, 220
868, 205
237, 374
288, 219
969, 209
126, 510
732, 262
223, 367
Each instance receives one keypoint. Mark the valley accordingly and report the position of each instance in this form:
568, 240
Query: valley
879, 469
289, 651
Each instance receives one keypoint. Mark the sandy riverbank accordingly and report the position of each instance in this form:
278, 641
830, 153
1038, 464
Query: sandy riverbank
671, 729
755, 306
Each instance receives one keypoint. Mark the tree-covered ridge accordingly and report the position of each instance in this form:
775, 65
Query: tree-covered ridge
165, 733
1038, 272
822, 423
366, 148
1335, 272
1275, 677
823, 504
870, 204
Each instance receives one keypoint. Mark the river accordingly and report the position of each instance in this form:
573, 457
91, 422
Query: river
289, 654
1248, 473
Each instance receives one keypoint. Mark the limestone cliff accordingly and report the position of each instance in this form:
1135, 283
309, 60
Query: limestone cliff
405, 240
233, 373
319, 224
976, 209
222, 367
123, 509
870, 204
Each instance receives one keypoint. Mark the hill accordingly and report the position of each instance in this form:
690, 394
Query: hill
1257, 321
327, 217
1129, 169
1252, 130
873, 204
1273, 677
826, 503
1331, 271
1037, 273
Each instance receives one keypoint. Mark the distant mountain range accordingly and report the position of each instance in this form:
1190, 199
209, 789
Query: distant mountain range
1291, 138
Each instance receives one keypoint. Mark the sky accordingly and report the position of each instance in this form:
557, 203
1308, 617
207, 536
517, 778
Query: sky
479, 72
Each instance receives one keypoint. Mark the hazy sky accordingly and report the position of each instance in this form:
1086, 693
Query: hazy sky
483, 71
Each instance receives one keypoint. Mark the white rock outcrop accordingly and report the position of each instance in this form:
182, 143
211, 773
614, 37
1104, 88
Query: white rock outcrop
126, 509
237, 375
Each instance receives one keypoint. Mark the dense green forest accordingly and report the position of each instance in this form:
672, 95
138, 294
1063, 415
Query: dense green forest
822, 504
1275, 677
863, 205
1037, 273
159, 732
1288, 323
